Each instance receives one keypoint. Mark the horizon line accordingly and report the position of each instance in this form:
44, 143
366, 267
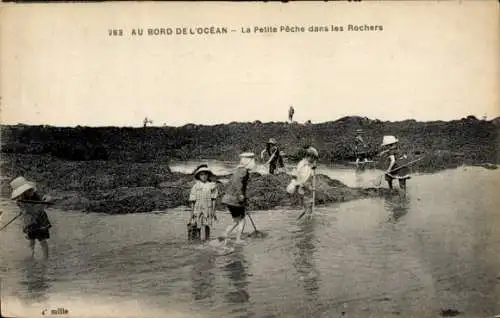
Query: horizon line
255, 122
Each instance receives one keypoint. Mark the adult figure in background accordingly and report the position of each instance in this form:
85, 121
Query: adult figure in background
291, 111
395, 158
275, 159
235, 195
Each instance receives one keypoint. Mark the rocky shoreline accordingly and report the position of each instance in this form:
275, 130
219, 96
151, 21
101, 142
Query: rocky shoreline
125, 170
451, 143
121, 188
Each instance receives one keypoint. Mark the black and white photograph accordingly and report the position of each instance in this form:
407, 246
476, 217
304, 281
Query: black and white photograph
264, 160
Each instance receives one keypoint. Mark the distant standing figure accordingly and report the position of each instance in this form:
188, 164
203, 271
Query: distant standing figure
36, 223
235, 195
202, 198
392, 154
291, 111
275, 159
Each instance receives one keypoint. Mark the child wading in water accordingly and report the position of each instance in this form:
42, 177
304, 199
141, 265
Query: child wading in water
36, 223
275, 159
235, 195
202, 198
392, 154
303, 182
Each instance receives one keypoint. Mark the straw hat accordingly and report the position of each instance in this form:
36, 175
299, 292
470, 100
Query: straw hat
272, 141
311, 151
203, 165
247, 155
389, 140
19, 186
359, 131
202, 169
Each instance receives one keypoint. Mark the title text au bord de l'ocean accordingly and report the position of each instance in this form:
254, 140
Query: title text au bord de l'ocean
219, 30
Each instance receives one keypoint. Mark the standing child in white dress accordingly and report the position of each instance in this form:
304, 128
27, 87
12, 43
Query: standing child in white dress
202, 199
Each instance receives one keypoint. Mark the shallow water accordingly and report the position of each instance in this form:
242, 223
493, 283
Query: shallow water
437, 249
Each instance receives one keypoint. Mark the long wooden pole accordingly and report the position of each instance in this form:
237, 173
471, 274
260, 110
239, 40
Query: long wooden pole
3, 227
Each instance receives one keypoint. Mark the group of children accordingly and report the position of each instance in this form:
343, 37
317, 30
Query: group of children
204, 193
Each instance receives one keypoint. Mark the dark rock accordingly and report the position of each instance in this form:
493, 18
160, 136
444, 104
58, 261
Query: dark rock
118, 188
450, 313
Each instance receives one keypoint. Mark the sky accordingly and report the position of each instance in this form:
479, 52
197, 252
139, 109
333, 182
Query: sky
432, 61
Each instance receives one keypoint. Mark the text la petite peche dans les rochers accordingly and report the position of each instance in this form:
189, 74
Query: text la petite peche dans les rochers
312, 28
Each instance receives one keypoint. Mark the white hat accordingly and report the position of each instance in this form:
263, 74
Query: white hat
19, 186
271, 141
202, 169
389, 140
311, 151
247, 155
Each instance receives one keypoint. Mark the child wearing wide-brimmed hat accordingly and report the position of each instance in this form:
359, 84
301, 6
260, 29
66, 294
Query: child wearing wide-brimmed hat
235, 194
392, 154
36, 223
203, 195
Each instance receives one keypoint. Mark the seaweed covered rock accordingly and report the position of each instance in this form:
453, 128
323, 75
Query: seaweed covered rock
264, 192
130, 200
118, 188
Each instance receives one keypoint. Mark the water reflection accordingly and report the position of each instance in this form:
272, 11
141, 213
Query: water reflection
35, 279
304, 263
202, 277
238, 294
397, 205
359, 176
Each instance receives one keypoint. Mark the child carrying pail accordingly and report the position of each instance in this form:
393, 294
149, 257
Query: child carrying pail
202, 198
36, 223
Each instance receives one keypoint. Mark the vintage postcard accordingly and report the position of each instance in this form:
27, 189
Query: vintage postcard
303, 159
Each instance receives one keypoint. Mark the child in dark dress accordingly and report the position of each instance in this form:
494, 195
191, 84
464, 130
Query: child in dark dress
36, 223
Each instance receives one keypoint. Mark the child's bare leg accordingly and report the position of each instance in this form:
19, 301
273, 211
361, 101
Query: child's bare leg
307, 205
402, 184
389, 182
241, 225
231, 228
308, 209
32, 247
45, 248
201, 219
